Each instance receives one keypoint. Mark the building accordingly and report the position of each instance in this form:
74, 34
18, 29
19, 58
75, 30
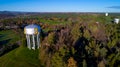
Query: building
116, 20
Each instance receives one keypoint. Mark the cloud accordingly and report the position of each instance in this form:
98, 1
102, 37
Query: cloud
114, 7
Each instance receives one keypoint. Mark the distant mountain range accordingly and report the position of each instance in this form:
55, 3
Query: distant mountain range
10, 14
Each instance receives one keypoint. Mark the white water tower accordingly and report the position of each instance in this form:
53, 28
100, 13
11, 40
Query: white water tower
33, 36
106, 14
116, 20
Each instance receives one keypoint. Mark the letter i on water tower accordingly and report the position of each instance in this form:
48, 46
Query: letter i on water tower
33, 36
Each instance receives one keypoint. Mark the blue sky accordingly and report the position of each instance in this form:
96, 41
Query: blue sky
60, 5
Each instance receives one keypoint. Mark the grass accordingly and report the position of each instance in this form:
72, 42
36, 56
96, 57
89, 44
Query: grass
8, 35
20, 57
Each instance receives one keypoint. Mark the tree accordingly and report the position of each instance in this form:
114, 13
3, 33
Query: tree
71, 62
75, 32
84, 63
87, 34
101, 64
58, 59
51, 38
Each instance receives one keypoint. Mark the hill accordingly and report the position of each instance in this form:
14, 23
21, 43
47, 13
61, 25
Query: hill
20, 57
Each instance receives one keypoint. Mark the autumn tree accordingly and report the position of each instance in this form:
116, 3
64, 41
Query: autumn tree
75, 32
71, 62
60, 57
51, 38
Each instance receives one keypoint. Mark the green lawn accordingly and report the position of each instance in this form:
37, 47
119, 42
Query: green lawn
8, 36
20, 57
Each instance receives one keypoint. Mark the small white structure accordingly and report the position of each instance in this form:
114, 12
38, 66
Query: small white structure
116, 20
106, 14
97, 22
33, 36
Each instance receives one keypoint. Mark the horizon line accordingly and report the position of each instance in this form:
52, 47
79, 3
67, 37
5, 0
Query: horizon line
58, 11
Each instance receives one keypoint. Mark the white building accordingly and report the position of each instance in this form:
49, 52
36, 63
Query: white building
116, 20
33, 36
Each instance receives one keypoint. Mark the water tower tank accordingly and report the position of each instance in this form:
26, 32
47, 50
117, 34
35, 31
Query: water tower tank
32, 35
32, 29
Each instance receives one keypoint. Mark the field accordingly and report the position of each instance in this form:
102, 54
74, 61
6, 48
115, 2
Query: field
67, 40
20, 57
7, 37
8, 41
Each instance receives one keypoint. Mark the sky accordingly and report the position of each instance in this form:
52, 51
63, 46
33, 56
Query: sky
60, 5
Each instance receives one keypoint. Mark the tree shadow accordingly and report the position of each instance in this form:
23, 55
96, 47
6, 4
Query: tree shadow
4, 41
5, 48
82, 54
2, 35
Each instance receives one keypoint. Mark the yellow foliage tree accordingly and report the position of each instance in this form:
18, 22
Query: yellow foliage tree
71, 62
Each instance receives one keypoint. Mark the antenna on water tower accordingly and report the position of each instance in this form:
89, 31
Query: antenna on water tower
33, 36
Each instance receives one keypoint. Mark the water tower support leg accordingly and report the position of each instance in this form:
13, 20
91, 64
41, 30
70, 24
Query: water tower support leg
38, 41
29, 45
27, 40
33, 42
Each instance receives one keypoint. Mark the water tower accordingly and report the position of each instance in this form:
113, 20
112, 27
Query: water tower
33, 36
106, 14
